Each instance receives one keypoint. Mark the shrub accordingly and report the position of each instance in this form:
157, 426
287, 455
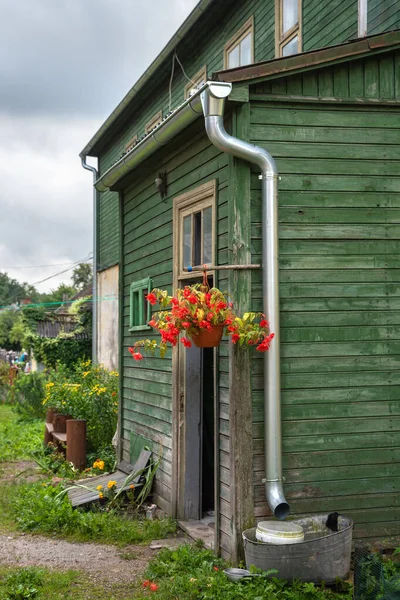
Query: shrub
28, 394
90, 393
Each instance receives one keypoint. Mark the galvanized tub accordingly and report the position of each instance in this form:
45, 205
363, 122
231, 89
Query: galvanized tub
323, 556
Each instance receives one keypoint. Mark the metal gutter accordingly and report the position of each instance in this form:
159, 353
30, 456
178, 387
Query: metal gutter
94, 284
213, 98
178, 120
142, 82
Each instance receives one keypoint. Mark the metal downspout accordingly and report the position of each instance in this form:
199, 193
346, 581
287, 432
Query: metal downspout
213, 100
362, 18
96, 195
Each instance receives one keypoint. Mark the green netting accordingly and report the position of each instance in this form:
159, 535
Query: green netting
376, 575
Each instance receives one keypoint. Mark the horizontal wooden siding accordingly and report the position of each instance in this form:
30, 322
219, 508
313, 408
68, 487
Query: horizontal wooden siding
339, 218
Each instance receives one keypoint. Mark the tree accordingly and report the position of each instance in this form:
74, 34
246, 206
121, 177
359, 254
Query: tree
10, 330
54, 298
11, 291
82, 275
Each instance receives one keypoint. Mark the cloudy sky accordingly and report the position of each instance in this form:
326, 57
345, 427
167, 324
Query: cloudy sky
64, 66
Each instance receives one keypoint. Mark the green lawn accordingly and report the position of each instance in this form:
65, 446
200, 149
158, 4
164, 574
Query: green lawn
43, 584
18, 438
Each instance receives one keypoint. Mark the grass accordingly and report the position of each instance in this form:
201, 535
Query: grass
192, 573
18, 439
35, 507
43, 584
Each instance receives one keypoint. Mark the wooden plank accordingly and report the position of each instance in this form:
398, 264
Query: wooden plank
240, 410
80, 495
60, 437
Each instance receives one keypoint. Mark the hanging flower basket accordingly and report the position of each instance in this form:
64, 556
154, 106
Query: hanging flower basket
203, 315
205, 338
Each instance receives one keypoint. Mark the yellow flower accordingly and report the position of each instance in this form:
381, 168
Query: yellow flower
111, 484
50, 384
99, 487
132, 487
86, 373
101, 495
192, 579
98, 464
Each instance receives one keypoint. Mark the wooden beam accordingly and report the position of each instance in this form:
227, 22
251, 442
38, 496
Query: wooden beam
240, 400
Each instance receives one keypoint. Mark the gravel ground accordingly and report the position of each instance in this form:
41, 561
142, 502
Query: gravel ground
105, 562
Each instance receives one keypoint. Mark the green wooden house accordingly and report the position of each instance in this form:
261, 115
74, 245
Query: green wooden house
317, 86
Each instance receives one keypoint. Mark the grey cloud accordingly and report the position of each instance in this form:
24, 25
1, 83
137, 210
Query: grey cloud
79, 56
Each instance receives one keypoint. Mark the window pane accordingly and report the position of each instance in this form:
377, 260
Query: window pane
245, 50
207, 227
233, 58
187, 242
291, 47
290, 15
197, 238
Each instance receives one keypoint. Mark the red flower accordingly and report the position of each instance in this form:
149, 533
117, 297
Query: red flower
137, 356
232, 328
263, 323
210, 316
146, 583
154, 587
152, 298
175, 302
205, 325
228, 321
220, 306
185, 324
265, 344
235, 338
153, 323
186, 292
187, 343
192, 299
215, 568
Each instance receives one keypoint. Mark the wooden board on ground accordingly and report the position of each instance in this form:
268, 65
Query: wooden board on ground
83, 495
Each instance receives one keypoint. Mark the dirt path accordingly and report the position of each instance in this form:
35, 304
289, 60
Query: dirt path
105, 562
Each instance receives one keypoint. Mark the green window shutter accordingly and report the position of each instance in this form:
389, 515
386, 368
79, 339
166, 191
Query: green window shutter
139, 309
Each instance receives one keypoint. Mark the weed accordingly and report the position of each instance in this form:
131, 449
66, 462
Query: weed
39, 507
196, 574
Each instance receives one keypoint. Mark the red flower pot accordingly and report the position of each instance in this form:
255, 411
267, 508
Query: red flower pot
206, 338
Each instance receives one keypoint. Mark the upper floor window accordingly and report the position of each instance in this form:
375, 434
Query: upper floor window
139, 308
198, 80
239, 50
129, 145
194, 229
288, 27
154, 121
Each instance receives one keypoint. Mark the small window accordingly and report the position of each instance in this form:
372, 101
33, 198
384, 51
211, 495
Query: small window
239, 50
288, 27
198, 80
156, 120
140, 309
131, 143
194, 228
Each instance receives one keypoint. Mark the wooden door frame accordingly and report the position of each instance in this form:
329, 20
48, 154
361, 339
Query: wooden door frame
194, 196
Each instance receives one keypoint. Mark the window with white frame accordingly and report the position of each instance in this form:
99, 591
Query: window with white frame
288, 27
239, 50
197, 81
154, 121
194, 228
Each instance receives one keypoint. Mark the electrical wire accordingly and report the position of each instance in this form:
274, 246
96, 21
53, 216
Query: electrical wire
37, 266
64, 271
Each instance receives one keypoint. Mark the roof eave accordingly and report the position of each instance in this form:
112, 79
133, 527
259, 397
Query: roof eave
142, 81
281, 67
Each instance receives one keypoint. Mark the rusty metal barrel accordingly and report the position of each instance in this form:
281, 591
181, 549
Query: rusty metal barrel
76, 442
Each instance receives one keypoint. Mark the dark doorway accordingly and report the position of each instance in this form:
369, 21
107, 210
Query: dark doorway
208, 431
199, 455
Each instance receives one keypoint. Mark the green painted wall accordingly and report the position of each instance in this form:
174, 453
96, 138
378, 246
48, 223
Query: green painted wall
324, 24
147, 226
339, 218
